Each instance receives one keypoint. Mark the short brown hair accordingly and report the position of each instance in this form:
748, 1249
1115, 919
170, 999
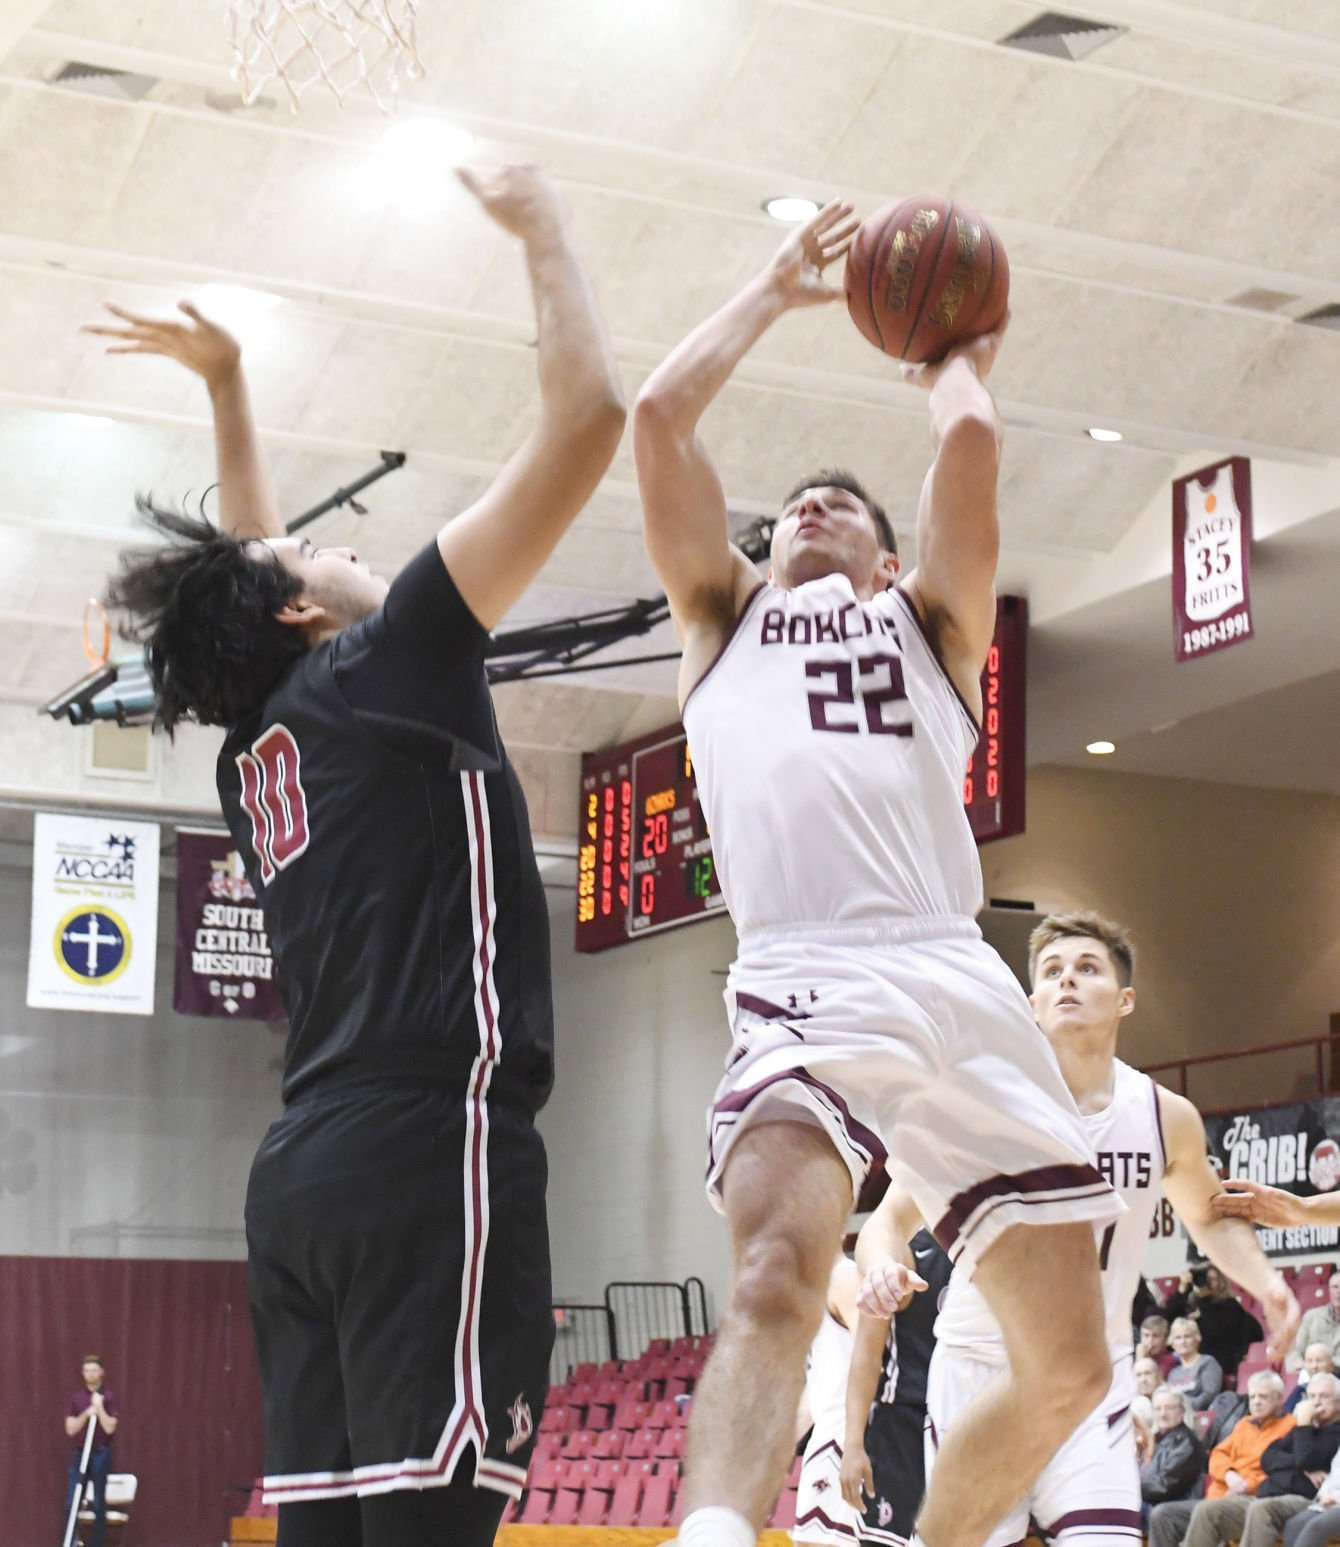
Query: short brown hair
93, 1359
1089, 926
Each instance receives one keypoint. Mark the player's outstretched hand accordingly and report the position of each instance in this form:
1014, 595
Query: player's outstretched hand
1283, 1314
1268, 1206
197, 343
519, 197
887, 1289
857, 1478
980, 352
797, 268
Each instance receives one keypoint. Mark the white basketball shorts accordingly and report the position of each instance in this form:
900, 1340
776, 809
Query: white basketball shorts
910, 1042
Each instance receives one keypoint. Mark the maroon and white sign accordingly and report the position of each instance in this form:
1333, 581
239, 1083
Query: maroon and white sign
224, 966
1212, 543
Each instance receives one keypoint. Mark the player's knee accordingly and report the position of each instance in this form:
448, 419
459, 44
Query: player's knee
1076, 1380
780, 1281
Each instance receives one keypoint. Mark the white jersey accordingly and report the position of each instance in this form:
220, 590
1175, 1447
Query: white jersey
830, 749
826, 1372
1127, 1136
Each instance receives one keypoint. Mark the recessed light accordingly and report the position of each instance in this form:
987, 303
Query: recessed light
236, 302
90, 421
1106, 435
411, 168
431, 144
1101, 748
791, 210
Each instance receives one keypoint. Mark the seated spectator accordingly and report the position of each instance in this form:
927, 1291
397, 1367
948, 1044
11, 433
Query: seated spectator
1196, 1375
1319, 1325
1145, 1303
1227, 1328
1173, 1461
1319, 1523
1235, 1469
1147, 1381
1154, 1343
1317, 1360
1294, 1466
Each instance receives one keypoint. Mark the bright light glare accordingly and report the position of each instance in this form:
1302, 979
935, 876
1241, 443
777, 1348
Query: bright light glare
235, 303
1101, 748
1105, 435
412, 167
90, 421
791, 210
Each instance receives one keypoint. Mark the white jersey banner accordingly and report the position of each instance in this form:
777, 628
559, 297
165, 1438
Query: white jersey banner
94, 916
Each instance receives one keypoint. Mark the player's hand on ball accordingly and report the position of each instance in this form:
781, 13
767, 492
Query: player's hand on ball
520, 198
979, 352
1268, 1206
797, 269
858, 1478
887, 1289
197, 343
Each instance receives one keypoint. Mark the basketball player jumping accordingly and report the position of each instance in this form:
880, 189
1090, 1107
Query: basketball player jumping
395, 1214
1149, 1143
831, 714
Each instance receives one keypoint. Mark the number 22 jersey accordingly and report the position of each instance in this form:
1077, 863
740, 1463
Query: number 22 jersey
830, 748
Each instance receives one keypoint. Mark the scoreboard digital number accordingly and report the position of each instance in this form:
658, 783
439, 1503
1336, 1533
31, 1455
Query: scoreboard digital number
993, 787
644, 860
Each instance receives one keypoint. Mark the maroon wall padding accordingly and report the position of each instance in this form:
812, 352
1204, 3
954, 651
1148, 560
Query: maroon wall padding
177, 1343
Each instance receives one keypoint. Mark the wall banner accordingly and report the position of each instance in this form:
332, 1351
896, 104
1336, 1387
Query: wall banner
1212, 548
94, 915
224, 966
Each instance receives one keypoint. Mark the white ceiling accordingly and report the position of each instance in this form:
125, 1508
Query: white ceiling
1140, 190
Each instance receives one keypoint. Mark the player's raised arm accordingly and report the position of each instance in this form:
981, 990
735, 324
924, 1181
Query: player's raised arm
495, 548
958, 534
1191, 1185
248, 506
684, 506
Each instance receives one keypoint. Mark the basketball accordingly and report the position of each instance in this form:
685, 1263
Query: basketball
925, 274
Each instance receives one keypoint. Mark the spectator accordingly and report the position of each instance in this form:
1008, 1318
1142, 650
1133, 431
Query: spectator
1319, 1523
1147, 1381
1197, 1375
1235, 1463
1227, 1330
1319, 1325
1154, 1343
92, 1404
1317, 1360
1145, 1304
1173, 1462
1294, 1466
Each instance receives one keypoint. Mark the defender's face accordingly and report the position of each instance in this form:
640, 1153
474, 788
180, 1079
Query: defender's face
1167, 1412
827, 531
331, 578
1076, 989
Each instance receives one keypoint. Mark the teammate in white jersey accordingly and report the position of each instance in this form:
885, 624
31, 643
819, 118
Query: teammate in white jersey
1149, 1142
831, 713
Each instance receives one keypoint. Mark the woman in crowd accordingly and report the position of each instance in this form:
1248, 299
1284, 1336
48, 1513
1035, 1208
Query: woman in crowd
1198, 1376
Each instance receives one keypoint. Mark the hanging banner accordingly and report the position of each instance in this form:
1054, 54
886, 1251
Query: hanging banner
94, 915
1212, 543
224, 966
1294, 1147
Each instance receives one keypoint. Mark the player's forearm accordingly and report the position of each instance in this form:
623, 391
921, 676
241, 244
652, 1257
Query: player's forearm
1231, 1245
107, 1422
681, 388
960, 399
579, 379
248, 505
863, 1377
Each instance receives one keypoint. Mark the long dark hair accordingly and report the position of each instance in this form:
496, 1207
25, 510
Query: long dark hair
204, 606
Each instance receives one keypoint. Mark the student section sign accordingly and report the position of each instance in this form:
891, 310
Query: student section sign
1294, 1147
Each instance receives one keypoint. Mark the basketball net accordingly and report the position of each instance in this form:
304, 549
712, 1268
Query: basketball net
343, 44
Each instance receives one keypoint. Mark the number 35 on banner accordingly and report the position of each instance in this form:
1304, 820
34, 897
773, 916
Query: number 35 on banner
1212, 544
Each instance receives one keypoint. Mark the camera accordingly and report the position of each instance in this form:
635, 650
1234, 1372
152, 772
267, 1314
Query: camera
1200, 1277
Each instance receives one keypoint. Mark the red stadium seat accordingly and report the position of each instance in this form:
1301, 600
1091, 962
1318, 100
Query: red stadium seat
511, 1510
595, 1506
600, 1415
608, 1473
579, 1444
784, 1515
793, 1476
669, 1445
631, 1414
640, 1444
567, 1502
548, 1474
659, 1346
610, 1443
535, 1508
627, 1500
665, 1415
658, 1499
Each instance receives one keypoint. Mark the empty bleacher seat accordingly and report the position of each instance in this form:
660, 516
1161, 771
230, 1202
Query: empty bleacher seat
658, 1497
567, 1501
626, 1501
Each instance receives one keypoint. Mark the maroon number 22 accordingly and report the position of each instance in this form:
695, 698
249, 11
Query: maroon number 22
275, 800
872, 693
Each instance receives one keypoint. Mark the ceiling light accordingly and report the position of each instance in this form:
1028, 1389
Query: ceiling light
90, 421
412, 165
430, 143
1101, 748
1104, 435
235, 303
791, 210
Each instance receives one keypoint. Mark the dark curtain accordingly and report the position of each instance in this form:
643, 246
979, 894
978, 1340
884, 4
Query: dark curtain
176, 1340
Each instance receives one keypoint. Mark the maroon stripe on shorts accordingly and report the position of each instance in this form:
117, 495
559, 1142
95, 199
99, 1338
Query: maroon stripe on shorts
1078, 1519
861, 1137
1000, 1189
766, 1010
816, 1516
828, 1445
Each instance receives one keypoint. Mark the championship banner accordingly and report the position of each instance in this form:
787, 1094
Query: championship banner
95, 914
224, 966
1212, 545
1293, 1147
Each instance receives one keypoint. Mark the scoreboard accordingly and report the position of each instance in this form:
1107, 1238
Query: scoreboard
644, 858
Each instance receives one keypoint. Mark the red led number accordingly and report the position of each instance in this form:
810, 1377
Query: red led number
274, 799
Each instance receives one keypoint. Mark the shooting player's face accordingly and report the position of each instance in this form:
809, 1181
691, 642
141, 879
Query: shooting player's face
828, 531
332, 579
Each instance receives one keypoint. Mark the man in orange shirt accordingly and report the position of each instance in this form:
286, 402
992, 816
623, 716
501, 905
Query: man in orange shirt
1235, 1462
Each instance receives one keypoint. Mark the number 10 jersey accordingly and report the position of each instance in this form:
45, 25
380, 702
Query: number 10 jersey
830, 749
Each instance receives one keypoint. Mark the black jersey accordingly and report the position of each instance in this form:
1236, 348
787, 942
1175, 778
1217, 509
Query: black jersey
907, 1354
387, 839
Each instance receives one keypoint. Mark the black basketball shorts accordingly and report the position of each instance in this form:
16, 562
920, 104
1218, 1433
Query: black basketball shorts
895, 1443
400, 1295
